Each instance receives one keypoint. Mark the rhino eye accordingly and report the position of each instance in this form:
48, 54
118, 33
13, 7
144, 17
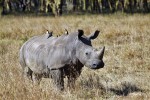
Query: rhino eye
86, 53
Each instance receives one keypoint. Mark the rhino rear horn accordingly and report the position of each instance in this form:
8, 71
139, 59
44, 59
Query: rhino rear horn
80, 32
101, 53
94, 35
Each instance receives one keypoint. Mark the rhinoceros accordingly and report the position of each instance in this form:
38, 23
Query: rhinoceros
60, 57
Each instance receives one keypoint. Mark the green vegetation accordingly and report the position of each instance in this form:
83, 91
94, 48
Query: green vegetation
59, 7
126, 72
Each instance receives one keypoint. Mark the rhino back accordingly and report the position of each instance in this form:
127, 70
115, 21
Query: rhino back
34, 53
40, 52
69, 41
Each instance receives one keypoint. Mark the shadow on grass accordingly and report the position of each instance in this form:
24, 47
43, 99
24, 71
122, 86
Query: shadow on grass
125, 89
91, 83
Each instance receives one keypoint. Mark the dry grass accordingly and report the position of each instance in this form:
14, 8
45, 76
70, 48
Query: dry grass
126, 74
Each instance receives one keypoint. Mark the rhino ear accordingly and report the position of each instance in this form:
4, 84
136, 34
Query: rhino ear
94, 35
80, 33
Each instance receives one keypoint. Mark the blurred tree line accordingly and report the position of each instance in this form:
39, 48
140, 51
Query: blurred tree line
58, 7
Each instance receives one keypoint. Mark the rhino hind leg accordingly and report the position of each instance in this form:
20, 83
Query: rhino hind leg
57, 76
36, 78
28, 73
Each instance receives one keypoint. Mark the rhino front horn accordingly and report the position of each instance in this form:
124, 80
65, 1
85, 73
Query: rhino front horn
101, 53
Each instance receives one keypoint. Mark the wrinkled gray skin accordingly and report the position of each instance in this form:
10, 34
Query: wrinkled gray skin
59, 57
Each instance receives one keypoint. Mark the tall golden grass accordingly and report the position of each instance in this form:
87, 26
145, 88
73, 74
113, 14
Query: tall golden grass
126, 74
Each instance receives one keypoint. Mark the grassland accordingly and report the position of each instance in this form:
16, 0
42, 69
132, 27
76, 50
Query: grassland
126, 74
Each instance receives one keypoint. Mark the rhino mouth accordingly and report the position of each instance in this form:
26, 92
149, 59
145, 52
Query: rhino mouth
97, 65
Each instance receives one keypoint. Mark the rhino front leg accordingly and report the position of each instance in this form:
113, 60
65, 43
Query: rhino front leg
72, 74
71, 82
57, 76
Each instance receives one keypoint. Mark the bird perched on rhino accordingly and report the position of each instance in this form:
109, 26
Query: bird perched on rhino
66, 32
49, 34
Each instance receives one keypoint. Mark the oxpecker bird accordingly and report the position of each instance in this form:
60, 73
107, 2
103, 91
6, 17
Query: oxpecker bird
49, 34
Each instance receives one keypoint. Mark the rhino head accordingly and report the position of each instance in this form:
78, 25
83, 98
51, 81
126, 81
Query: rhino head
87, 55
